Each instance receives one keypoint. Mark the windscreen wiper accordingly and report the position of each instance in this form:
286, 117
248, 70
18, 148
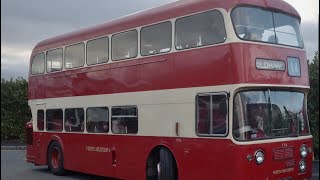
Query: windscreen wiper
292, 124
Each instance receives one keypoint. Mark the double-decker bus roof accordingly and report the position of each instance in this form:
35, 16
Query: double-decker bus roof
153, 15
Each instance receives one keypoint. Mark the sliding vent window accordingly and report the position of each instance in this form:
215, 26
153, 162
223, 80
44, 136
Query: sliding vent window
156, 39
37, 66
125, 45
200, 30
98, 51
74, 56
54, 60
124, 120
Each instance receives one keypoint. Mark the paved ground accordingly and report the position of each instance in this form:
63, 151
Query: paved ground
14, 166
315, 171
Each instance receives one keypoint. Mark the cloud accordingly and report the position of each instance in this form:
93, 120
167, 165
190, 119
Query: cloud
14, 53
34, 21
308, 10
13, 71
23, 24
310, 35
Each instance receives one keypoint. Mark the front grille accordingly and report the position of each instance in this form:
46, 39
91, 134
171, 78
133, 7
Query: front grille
290, 163
283, 153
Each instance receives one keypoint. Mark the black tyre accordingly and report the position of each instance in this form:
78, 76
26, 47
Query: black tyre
167, 166
152, 169
55, 159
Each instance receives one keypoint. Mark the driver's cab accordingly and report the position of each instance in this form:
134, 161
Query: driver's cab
268, 114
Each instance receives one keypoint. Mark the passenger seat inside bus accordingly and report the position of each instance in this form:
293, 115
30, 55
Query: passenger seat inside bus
118, 126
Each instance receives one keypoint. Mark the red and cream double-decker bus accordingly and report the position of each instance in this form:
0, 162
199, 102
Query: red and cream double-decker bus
194, 89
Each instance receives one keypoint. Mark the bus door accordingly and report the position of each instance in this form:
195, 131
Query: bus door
211, 122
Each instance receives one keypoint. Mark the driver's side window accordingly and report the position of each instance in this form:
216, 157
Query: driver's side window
212, 114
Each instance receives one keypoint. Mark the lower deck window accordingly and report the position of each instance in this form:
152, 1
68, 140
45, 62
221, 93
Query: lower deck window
54, 119
124, 120
40, 120
98, 119
74, 119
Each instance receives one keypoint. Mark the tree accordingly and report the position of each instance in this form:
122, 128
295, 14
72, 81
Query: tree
15, 111
313, 101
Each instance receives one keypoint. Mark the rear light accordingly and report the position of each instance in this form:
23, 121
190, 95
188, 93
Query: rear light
303, 150
29, 133
259, 156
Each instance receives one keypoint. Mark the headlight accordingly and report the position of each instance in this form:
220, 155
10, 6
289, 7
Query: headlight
303, 151
302, 165
259, 156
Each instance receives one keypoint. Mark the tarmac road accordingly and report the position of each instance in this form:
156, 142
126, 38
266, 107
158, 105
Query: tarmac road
15, 167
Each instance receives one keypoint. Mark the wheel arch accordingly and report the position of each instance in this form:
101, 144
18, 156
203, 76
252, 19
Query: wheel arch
57, 139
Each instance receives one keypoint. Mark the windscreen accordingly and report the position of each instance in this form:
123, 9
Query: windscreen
268, 114
256, 24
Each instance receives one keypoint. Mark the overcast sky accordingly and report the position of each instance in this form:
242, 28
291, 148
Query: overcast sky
25, 23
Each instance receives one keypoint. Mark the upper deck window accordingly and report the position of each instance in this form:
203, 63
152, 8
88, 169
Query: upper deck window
54, 60
125, 45
98, 51
256, 24
37, 66
156, 39
74, 56
200, 30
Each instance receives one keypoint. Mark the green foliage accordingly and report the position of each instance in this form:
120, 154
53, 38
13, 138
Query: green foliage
15, 111
313, 101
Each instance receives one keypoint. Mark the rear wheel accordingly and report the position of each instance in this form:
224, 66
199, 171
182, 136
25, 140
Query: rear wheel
55, 159
161, 165
152, 171
166, 166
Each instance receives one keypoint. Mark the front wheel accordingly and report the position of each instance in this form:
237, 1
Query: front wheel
55, 159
